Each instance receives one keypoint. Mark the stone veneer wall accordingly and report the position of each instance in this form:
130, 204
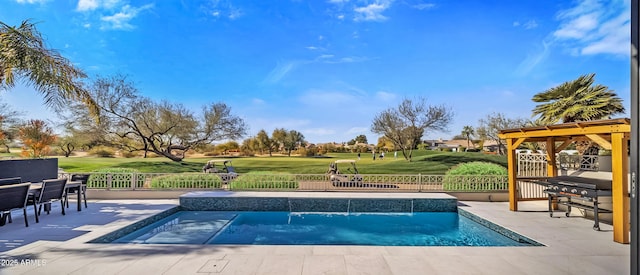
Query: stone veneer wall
318, 204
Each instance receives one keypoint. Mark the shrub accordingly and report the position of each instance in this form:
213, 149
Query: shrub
187, 180
120, 178
475, 176
102, 152
265, 180
127, 154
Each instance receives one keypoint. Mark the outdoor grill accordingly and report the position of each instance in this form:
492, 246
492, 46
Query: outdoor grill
564, 189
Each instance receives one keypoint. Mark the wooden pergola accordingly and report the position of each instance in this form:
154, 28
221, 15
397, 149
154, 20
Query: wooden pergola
611, 134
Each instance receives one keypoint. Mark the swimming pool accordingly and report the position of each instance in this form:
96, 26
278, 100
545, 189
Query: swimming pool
291, 228
320, 218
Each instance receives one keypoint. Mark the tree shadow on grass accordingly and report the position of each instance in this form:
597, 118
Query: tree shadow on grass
455, 159
163, 167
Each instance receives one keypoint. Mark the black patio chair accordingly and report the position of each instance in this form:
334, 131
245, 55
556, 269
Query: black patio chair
83, 178
52, 190
13, 197
7, 181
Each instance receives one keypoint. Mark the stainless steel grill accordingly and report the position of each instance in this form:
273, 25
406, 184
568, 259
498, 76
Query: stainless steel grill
564, 189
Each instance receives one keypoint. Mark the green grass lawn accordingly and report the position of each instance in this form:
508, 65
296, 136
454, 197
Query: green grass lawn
424, 162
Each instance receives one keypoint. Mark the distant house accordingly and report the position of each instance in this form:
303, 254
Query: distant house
490, 146
434, 144
457, 145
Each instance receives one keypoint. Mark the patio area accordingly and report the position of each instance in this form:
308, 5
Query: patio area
57, 245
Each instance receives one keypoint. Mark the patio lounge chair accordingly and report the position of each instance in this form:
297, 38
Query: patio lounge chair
51, 190
13, 197
83, 178
7, 181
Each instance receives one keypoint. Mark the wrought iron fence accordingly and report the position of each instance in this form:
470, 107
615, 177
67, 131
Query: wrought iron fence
296, 182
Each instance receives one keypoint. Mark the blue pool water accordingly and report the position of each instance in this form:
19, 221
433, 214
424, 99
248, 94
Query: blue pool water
287, 228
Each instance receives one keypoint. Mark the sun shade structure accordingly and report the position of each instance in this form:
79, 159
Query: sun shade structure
611, 134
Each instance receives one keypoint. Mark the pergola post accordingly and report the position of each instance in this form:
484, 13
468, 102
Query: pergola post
552, 169
620, 187
513, 174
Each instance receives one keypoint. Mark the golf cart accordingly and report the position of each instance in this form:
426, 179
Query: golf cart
353, 179
224, 169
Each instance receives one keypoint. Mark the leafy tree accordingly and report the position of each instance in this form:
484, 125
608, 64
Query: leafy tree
23, 55
67, 145
361, 139
135, 123
493, 123
468, 132
358, 139
36, 138
577, 100
264, 142
405, 124
8, 125
385, 143
250, 146
279, 136
228, 146
293, 140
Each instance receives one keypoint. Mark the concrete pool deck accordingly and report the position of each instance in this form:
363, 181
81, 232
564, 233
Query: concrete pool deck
57, 245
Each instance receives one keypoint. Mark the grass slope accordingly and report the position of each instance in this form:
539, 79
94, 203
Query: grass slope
425, 162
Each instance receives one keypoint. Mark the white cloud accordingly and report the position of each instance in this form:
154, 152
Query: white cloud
257, 101
120, 20
531, 24
591, 27
532, 60
385, 96
280, 71
578, 28
31, 1
221, 9
235, 14
372, 12
331, 59
89, 5
594, 27
424, 6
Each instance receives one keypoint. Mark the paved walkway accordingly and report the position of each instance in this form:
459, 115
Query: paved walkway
57, 246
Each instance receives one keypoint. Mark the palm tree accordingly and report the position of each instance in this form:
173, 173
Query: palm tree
577, 100
23, 55
468, 132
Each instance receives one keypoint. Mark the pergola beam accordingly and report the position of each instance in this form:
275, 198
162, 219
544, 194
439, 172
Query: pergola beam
585, 130
600, 141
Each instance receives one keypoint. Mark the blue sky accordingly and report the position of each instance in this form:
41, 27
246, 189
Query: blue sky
327, 67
